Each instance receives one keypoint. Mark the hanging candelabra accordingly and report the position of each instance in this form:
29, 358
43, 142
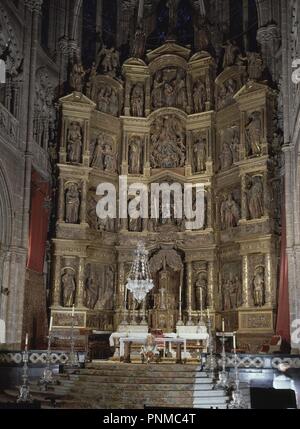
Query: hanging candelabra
73, 359
24, 393
139, 281
237, 401
47, 377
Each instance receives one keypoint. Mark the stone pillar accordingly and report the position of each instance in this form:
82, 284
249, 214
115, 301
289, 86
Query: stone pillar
56, 298
244, 198
189, 292
268, 280
245, 281
269, 39
83, 203
80, 283
61, 201
210, 285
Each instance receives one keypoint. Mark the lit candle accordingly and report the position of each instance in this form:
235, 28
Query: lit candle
73, 310
51, 323
234, 341
26, 340
223, 325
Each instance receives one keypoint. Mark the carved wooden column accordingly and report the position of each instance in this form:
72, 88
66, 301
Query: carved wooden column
83, 203
268, 280
56, 301
245, 281
80, 288
61, 201
210, 291
209, 208
244, 198
189, 291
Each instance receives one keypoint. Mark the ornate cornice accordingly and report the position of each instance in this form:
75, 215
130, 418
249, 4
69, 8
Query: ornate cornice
34, 5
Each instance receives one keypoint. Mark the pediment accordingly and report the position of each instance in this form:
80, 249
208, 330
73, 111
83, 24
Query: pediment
77, 98
251, 87
169, 48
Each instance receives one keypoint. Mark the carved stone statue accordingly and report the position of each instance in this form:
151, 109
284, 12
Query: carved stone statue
259, 287
109, 60
74, 143
226, 157
157, 90
202, 36
91, 85
199, 96
76, 77
114, 103
135, 147
200, 155
255, 66
230, 213
109, 159
231, 53
72, 204
102, 100
137, 100
167, 143
68, 288
254, 134
235, 145
139, 44
92, 293
97, 161
201, 291
255, 197
181, 91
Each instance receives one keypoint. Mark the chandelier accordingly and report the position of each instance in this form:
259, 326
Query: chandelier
139, 281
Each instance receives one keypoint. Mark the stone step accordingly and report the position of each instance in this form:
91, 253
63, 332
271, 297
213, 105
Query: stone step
210, 401
144, 387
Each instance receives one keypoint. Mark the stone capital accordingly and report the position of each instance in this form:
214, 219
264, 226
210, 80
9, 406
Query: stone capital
34, 5
268, 33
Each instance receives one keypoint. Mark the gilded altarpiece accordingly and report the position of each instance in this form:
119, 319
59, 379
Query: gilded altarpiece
170, 119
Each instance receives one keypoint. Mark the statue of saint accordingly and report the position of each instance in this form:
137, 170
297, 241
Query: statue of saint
76, 77
202, 36
92, 293
199, 96
255, 196
230, 213
74, 143
103, 100
139, 44
231, 53
109, 159
135, 156
91, 85
113, 103
137, 100
97, 161
200, 153
254, 134
72, 204
255, 66
157, 90
182, 99
109, 60
259, 287
68, 288
226, 157
201, 291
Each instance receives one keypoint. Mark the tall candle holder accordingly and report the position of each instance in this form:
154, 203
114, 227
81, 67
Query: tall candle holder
24, 393
223, 380
47, 377
73, 359
237, 401
210, 365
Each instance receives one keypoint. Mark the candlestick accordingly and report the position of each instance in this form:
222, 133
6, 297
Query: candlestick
73, 310
26, 340
51, 323
223, 325
234, 341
